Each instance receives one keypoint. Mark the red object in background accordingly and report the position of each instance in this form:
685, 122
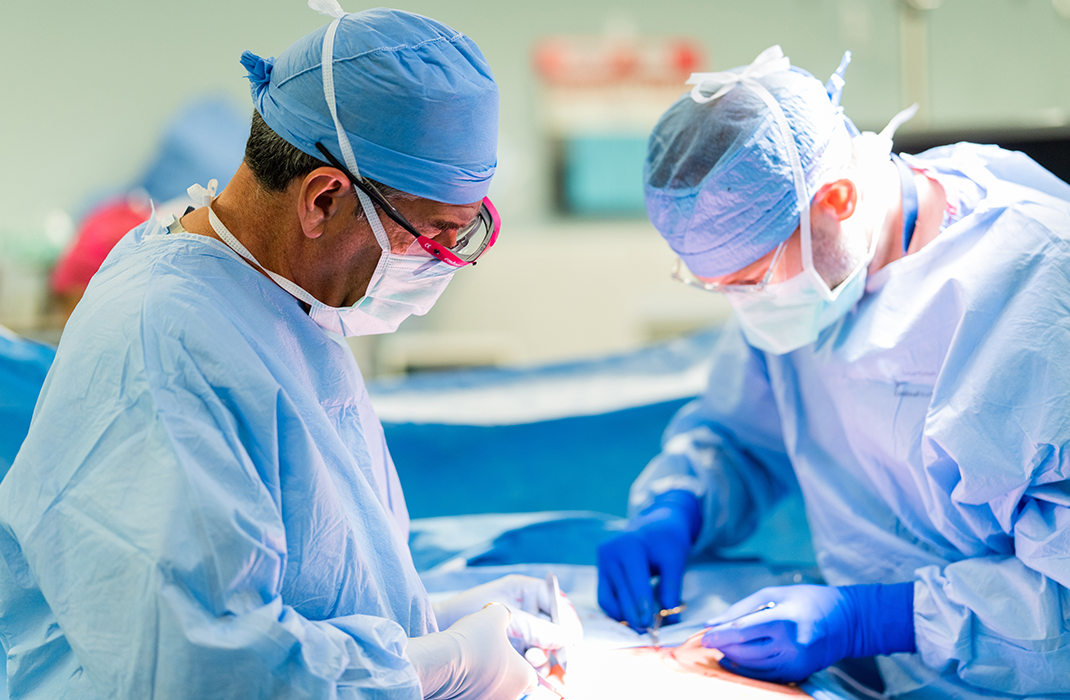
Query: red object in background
99, 232
686, 58
581, 60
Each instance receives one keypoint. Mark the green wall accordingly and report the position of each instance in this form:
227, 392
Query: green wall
86, 86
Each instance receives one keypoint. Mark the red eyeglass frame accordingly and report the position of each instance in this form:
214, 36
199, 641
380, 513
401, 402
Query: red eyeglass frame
487, 213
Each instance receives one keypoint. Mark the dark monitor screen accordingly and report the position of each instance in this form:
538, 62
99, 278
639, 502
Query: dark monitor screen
1049, 146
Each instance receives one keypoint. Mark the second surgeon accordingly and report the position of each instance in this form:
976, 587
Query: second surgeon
899, 352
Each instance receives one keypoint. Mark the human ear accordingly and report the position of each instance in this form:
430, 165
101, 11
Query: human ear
320, 199
837, 199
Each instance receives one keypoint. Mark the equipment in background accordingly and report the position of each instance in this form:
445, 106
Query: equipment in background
601, 96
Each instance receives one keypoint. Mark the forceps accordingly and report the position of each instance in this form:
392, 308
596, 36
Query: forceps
659, 617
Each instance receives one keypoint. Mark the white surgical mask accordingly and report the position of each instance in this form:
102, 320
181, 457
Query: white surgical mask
786, 316
401, 286
789, 315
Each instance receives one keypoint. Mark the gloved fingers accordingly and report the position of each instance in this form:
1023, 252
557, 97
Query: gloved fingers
772, 674
532, 595
537, 657
629, 581
607, 598
539, 660
543, 661
670, 585
449, 611
761, 653
516, 678
526, 630
532, 681
753, 631
609, 572
778, 671
746, 605
613, 595
529, 594
498, 614
519, 592
484, 663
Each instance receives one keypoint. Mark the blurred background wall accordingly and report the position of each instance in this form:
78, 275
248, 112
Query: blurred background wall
87, 89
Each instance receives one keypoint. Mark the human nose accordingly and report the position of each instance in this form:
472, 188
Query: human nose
446, 238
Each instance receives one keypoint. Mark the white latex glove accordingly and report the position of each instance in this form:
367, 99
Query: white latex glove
472, 660
530, 628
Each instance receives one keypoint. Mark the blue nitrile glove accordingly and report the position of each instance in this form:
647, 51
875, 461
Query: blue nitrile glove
812, 627
655, 543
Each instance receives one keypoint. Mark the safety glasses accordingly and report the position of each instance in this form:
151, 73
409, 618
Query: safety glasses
473, 239
680, 273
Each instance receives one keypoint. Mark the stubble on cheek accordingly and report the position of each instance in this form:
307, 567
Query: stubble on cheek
836, 257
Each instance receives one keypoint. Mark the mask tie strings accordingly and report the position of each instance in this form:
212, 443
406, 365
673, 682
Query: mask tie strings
205, 196
834, 86
772, 60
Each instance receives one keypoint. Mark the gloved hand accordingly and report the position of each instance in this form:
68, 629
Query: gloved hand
528, 599
472, 660
656, 543
812, 627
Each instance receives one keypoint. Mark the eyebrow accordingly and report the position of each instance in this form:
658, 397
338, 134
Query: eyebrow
749, 278
443, 225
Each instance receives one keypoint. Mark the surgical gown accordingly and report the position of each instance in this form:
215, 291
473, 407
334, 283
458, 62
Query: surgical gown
204, 506
928, 431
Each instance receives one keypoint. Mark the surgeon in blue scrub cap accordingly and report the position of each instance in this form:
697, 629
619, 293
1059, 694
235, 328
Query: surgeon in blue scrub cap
205, 506
900, 352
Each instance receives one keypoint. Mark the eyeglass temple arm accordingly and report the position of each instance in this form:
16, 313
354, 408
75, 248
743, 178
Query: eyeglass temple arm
367, 189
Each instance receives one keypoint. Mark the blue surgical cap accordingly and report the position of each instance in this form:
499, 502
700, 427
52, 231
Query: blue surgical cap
718, 179
416, 99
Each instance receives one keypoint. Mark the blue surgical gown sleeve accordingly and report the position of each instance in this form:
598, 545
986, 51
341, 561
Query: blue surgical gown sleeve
186, 519
725, 447
997, 441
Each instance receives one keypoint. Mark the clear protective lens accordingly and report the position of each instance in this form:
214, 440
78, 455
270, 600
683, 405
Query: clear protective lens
681, 273
477, 235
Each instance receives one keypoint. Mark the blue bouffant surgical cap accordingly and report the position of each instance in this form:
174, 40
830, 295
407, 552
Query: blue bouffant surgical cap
416, 99
718, 178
